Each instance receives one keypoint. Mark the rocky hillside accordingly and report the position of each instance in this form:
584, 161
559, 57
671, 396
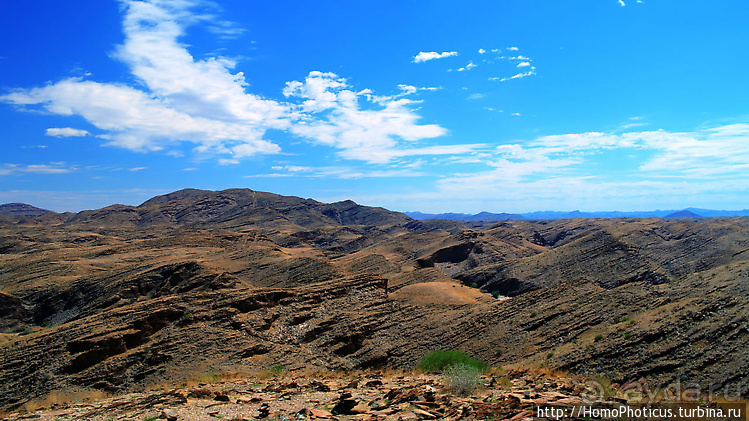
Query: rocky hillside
123, 298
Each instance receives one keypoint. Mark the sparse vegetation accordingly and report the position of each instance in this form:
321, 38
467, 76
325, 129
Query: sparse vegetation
598, 338
462, 378
437, 361
209, 378
605, 385
534, 314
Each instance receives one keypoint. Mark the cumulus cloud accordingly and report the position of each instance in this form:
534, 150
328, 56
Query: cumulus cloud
187, 100
202, 102
66, 132
335, 118
432, 55
524, 64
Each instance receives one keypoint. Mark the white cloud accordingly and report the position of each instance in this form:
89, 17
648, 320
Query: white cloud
408, 89
664, 164
203, 102
66, 132
51, 168
188, 100
482, 51
432, 55
512, 49
340, 172
336, 119
476, 96
621, 3
137, 169
468, 66
521, 75
524, 64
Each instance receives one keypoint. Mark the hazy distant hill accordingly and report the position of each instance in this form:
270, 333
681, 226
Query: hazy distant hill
682, 214
22, 209
551, 215
483, 216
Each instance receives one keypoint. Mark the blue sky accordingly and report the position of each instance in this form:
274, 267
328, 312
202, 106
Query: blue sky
502, 106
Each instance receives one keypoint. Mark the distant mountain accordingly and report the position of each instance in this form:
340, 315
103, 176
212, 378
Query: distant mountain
22, 209
483, 216
682, 214
239, 207
553, 215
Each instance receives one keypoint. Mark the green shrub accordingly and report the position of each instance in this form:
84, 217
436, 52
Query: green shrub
462, 378
534, 314
437, 361
598, 338
277, 369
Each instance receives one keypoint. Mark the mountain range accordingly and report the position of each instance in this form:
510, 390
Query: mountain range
194, 282
551, 215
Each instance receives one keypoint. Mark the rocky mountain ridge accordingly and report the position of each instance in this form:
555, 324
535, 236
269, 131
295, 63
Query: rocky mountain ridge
122, 298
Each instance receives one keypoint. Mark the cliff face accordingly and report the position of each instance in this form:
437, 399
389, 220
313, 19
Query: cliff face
196, 282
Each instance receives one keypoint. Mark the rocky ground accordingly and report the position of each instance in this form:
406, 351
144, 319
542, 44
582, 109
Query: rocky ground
368, 395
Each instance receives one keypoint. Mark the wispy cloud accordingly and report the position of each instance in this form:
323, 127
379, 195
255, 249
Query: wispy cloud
339, 172
521, 75
468, 66
66, 132
52, 168
561, 168
621, 3
432, 55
